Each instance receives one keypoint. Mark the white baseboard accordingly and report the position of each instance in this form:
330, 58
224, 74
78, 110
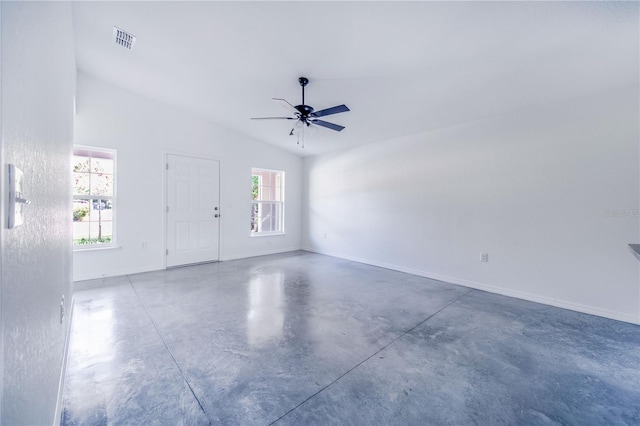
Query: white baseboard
118, 272
152, 268
531, 297
244, 255
63, 370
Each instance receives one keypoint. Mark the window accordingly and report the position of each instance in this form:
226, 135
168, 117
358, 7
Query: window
267, 202
93, 197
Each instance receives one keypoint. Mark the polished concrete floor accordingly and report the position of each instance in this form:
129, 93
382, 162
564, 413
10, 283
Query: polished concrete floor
306, 339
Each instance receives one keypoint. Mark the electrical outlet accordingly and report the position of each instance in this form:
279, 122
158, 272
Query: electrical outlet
143, 245
325, 236
484, 257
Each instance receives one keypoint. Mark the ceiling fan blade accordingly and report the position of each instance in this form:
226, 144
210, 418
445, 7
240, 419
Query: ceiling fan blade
329, 111
274, 118
328, 125
286, 105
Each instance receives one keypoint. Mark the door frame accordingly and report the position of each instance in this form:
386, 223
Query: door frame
165, 182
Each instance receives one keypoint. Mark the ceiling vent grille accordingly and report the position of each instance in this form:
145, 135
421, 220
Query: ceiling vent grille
123, 38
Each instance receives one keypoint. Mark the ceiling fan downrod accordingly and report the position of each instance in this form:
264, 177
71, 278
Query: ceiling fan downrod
303, 82
303, 109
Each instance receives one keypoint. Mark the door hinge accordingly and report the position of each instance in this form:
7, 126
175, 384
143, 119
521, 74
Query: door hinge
167, 166
167, 209
167, 251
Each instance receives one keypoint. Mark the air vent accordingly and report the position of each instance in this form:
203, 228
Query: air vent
123, 38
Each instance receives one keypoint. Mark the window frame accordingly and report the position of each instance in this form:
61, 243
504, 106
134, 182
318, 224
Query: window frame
90, 198
259, 202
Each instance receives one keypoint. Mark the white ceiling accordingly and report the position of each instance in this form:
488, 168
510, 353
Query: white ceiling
402, 68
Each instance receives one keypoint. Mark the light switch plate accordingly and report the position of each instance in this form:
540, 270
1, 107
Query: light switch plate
16, 198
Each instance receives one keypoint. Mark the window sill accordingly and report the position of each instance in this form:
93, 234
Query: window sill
265, 234
78, 249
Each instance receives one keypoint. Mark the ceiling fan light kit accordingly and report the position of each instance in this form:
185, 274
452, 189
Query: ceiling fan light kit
305, 115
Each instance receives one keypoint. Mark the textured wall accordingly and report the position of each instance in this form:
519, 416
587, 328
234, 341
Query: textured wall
38, 84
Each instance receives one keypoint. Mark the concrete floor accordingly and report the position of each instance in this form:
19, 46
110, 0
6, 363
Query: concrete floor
306, 339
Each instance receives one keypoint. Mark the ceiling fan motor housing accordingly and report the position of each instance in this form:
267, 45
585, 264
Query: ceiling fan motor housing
305, 110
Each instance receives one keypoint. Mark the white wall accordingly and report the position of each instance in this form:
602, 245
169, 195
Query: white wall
38, 84
143, 132
532, 189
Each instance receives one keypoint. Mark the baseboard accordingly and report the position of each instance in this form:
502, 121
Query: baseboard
118, 273
255, 253
152, 268
57, 419
558, 303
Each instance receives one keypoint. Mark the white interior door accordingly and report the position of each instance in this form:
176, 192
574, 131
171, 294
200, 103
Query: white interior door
193, 214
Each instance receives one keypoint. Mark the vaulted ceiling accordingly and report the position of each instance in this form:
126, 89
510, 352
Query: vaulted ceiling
401, 67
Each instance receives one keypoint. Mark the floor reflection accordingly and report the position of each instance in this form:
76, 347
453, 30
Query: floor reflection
265, 319
93, 331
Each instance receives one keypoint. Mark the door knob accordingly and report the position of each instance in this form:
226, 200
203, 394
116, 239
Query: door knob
216, 215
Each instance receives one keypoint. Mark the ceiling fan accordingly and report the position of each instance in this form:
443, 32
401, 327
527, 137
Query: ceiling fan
305, 115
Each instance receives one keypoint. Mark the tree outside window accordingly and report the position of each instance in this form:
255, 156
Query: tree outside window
93, 196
